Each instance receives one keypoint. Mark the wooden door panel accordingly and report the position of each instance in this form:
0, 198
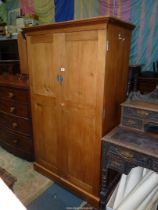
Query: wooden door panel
41, 62
80, 76
78, 131
46, 130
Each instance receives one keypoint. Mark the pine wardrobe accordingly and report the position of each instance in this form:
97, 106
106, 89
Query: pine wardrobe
78, 77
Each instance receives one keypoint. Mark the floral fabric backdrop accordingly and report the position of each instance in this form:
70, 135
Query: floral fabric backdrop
142, 13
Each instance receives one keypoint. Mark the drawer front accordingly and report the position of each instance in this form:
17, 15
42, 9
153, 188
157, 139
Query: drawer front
17, 144
16, 140
130, 156
15, 123
135, 113
122, 153
155, 165
12, 107
14, 94
116, 163
133, 123
153, 116
140, 114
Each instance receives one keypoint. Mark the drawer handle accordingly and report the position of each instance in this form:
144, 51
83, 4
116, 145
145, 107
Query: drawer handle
11, 95
126, 154
15, 141
12, 109
14, 125
142, 113
131, 122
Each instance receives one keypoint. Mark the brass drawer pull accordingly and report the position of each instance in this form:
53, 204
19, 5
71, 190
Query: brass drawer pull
12, 109
11, 95
142, 113
14, 125
131, 122
126, 154
15, 141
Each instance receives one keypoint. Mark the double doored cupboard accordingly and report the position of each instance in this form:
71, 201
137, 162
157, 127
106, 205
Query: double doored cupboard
78, 78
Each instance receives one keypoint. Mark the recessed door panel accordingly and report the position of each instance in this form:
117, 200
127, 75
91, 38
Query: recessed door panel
80, 76
41, 61
46, 130
78, 132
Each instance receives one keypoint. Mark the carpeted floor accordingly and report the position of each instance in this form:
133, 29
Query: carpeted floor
35, 191
56, 198
29, 184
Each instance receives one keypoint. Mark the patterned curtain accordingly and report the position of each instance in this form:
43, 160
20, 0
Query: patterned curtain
27, 7
45, 10
3, 13
145, 37
64, 10
86, 8
142, 13
12, 4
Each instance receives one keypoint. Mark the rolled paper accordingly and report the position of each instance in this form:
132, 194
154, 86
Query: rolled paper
153, 204
120, 191
145, 171
133, 178
110, 203
149, 200
140, 192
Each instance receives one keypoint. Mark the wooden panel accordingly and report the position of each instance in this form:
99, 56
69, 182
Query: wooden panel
86, 23
78, 136
43, 78
116, 74
80, 36
22, 47
46, 130
80, 72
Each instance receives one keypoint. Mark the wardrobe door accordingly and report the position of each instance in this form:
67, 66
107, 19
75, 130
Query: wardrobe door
44, 99
81, 124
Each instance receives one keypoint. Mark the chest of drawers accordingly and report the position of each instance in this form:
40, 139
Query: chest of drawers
140, 116
15, 117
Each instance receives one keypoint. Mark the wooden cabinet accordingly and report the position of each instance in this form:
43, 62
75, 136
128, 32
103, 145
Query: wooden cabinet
78, 78
15, 117
147, 84
22, 49
9, 56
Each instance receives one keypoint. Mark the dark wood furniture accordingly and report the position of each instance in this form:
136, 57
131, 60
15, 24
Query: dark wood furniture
133, 74
9, 56
144, 82
15, 116
7, 178
133, 143
147, 84
22, 47
140, 116
75, 76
